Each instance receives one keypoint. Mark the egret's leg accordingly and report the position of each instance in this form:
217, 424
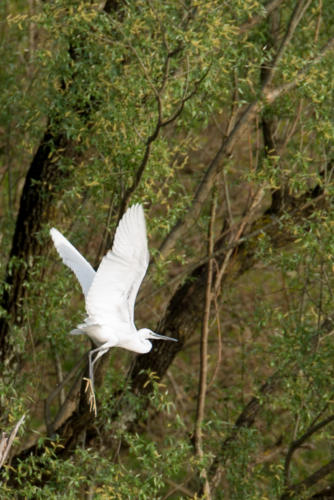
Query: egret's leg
91, 371
99, 351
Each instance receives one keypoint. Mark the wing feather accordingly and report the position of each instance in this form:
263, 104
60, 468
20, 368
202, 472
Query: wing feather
74, 260
114, 289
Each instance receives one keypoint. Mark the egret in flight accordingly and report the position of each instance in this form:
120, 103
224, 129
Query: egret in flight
110, 292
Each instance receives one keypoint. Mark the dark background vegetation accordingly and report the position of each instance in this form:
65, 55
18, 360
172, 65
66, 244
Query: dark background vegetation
217, 116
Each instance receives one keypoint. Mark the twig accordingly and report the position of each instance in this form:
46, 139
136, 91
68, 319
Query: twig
227, 199
204, 351
74, 390
219, 334
105, 238
55, 392
6, 442
255, 203
317, 30
179, 396
178, 487
291, 131
60, 378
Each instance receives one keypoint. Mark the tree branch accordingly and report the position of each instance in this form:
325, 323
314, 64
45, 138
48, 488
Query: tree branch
228, 142
297, 15
202, 383
299, 442
269, 7
273, 94
309, 481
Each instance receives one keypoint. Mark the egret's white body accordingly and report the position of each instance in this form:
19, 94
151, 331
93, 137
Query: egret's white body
110, 293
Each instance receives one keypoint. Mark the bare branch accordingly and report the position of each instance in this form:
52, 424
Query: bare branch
50, 426
202, 388
6, 442
186, 98
299, 442
235, 238
219, 349
309, 481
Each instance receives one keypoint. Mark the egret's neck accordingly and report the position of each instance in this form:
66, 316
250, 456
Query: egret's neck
136, 343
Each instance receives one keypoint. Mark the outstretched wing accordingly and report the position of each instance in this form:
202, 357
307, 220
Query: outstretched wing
112, 295
74, 260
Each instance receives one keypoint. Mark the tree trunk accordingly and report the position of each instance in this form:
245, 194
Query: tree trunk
38, 193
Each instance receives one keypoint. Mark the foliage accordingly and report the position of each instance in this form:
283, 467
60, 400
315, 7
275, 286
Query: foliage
174, 105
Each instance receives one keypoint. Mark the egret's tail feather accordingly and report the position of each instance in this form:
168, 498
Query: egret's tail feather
77, 331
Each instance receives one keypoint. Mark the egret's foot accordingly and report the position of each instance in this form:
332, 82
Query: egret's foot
91, 395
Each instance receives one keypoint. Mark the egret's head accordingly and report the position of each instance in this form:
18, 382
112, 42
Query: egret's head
140, 342
146, 333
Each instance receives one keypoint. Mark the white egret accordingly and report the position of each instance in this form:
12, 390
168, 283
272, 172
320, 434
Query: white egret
110, 293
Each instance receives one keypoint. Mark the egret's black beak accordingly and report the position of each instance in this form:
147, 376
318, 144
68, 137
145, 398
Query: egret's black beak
154, 335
